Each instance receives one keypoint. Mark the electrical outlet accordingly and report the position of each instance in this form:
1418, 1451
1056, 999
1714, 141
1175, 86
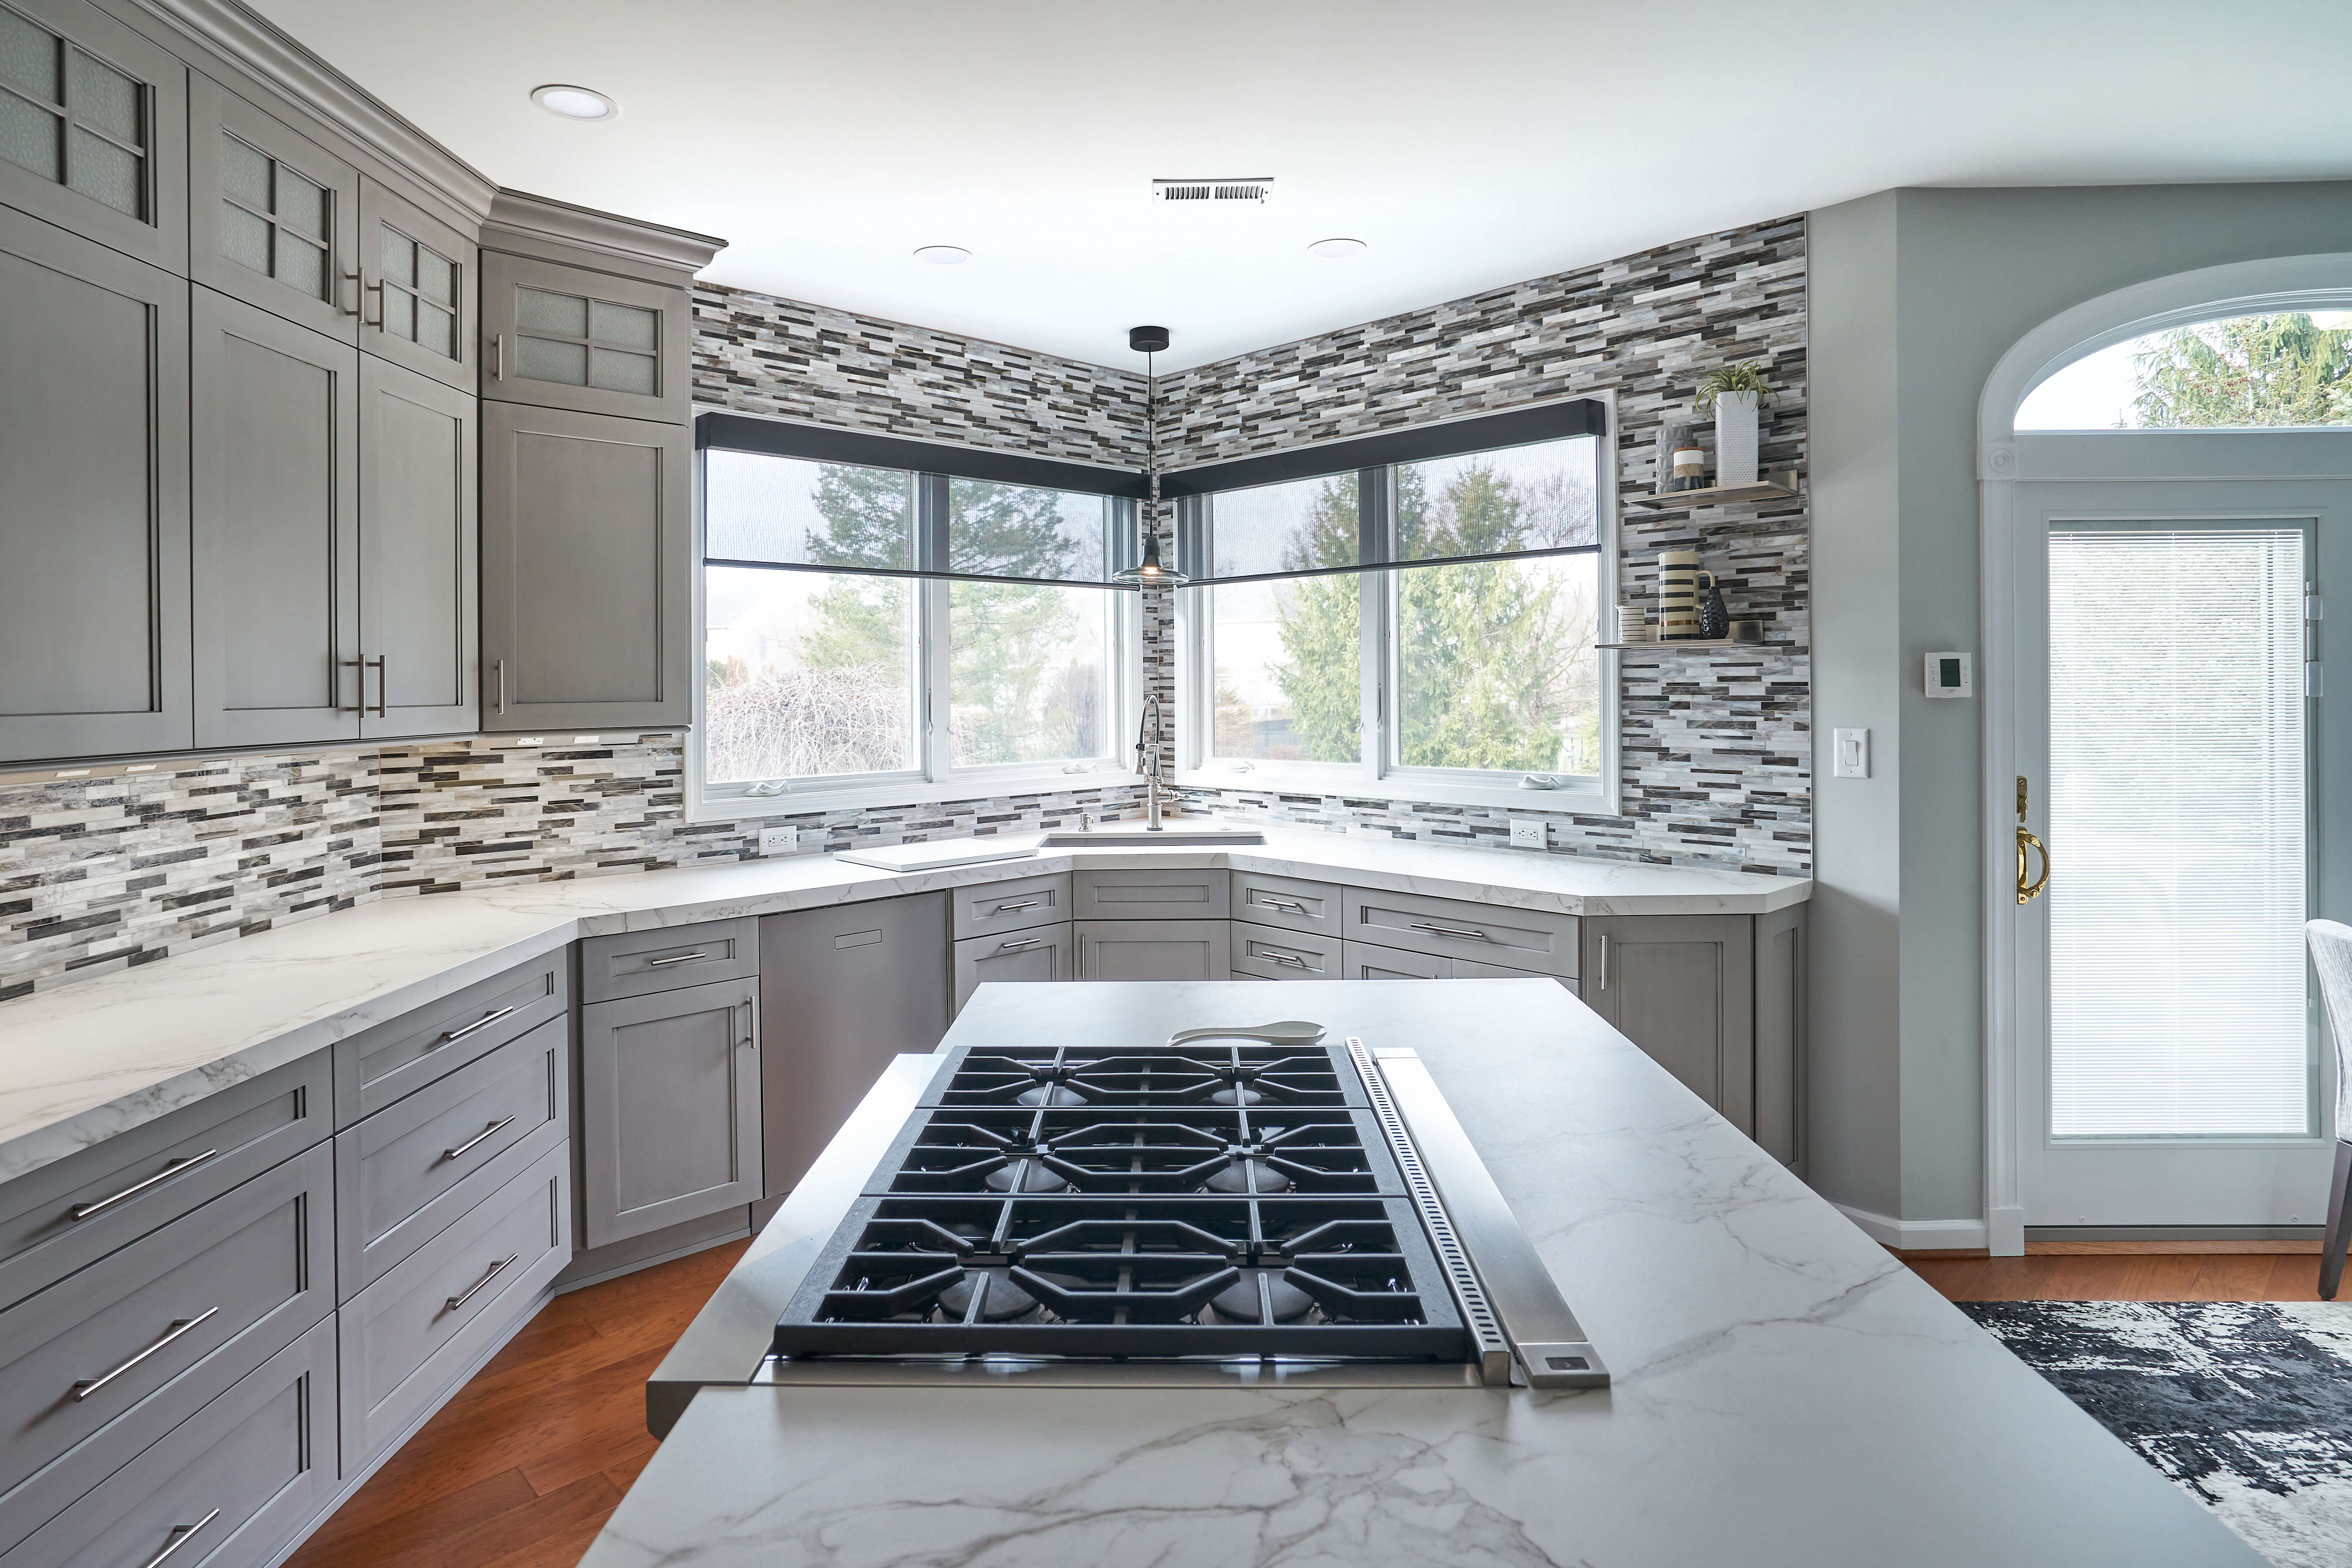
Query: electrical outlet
779, 840
1526, 833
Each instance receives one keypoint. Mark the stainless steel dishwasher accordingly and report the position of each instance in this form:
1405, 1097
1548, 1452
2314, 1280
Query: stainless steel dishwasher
842, 991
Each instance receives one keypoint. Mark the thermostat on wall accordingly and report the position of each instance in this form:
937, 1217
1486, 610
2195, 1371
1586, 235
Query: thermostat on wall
1949, 674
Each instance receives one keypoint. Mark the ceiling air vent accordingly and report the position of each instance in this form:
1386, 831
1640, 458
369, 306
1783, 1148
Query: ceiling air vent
1227, 190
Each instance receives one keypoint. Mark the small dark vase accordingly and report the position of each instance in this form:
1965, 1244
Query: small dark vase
1714, 620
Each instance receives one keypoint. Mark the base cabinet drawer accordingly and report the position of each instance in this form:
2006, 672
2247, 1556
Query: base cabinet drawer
1151, 893
400, 1174
1289, 902
1041, 952
381, 1065
407, 1337
225, 1489
95, 1368
1273, 954
642, 963
1153, 950
1531, 940
70, 1213
1370, 960
1018, 905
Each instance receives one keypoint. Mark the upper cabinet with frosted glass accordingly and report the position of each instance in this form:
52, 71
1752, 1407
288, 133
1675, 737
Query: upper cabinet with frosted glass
419, 275
273, 218
93, 121
595, 342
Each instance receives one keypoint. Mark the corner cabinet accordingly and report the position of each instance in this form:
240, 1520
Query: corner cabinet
94, 498
586, 550
585, 341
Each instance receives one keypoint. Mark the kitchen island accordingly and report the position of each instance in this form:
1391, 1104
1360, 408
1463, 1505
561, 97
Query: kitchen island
1783, 1392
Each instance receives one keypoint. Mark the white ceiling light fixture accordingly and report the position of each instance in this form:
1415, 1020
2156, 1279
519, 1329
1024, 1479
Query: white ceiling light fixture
943, 255
575, 102
1336, 250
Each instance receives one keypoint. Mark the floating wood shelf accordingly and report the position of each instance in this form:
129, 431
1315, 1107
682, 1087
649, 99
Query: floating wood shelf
1781, 486
1680, 643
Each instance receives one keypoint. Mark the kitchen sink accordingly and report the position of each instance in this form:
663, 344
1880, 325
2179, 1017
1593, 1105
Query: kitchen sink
1174, 834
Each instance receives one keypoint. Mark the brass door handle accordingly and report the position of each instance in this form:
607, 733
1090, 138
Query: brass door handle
2029, 891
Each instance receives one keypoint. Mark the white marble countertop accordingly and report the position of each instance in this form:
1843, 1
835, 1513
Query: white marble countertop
1785, 1394
89, 1060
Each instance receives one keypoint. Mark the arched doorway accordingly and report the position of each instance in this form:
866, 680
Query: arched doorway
2152, 1055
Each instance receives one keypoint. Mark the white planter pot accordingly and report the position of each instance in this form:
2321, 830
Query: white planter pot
1734, 439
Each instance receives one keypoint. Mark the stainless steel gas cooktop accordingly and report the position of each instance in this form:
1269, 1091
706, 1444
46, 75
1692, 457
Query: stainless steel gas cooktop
1251, 1198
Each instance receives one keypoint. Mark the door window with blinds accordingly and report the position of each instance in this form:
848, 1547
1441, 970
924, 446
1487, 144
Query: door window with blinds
2179, 817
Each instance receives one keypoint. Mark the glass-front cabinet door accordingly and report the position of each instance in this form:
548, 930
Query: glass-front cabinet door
273, 218
563, 337
93, 128
420, 294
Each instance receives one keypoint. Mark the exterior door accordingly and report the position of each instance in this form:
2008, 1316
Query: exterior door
419, 577
275, 471
2170, 729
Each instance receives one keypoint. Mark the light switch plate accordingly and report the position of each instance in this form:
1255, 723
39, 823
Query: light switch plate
779, 840
1526, 833
1850, 753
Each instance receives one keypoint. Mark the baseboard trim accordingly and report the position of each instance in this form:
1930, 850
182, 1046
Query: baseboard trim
638, 1264
1917, 1235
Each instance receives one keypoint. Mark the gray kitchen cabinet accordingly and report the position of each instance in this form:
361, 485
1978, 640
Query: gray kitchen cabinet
668, 958
419, 289
1370, 960
275, 493
420, 579
1273, 954
273, 218
994, 907
1780, 959
94, 498
586, 559
843, 989
1682, 988
394, 1059
1152, 893
669, 1100
96, 129
1539, 940
1290, 902
1153, 950
1039, 952
591, 341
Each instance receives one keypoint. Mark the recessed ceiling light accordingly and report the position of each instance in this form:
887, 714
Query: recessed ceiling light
943, 255
1333, 248
574, 102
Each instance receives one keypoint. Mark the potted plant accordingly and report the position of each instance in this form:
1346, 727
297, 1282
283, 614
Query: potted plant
1733, 394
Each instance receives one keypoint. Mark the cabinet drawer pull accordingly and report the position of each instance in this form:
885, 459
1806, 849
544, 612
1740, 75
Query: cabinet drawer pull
375, 288
491, 1131
180, 1536
1017, 946
383, 663
1007, 909
675, 958
1291, 958
1453, 930
83, 1211
87, 1386
1292, 905
502, 686
452, 1036
501, 1266
1604, 960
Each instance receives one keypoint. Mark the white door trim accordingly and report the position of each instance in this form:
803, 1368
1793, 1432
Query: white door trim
2277, 283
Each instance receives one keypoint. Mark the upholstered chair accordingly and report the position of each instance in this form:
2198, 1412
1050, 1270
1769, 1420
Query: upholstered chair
2331, 954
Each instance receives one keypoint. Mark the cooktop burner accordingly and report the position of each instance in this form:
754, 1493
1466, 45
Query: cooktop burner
1222, 1198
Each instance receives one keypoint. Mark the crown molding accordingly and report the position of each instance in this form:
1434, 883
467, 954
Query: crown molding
549, 221
257, 44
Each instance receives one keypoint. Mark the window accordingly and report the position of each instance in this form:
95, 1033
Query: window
1318, 652
885, 627
2292, 368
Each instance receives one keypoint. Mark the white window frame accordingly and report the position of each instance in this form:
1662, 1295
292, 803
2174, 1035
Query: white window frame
935, 778
1374, 775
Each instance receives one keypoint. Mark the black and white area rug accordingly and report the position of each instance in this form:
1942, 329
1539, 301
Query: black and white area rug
2247, 1405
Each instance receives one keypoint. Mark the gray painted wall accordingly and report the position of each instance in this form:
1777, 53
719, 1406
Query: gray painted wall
1898, 1077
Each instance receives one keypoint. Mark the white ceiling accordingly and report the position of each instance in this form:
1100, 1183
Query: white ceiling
1471, 143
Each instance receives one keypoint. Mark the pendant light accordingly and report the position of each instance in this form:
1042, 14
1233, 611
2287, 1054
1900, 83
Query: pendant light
1149, 571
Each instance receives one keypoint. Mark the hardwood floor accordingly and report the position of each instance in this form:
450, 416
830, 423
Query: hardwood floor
522, 1468
2122, 1271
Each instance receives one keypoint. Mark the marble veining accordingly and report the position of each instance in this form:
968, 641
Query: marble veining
89, 1060
1785, 1393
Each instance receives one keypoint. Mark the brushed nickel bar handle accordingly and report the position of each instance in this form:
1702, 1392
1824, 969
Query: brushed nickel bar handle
359, 279
498, 357
366, 289
83, 1211
383, 663
502, 686
1604, 960
1453, 930
501, 1266
452, 1036
1289, 958
492, 1131
336, 685
87, 1386
1006, 908
180, 1536
1295, 909
1017, 946
675, 958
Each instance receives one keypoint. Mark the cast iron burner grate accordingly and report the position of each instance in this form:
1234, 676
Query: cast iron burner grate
1216, 1199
